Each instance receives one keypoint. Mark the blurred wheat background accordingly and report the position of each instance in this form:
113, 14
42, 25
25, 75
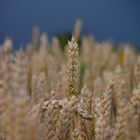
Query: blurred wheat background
68, 84
85, 90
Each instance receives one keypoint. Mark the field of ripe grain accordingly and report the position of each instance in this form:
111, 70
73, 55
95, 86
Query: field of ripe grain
88, 91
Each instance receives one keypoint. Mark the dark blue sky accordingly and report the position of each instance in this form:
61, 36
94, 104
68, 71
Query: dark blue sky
117, 19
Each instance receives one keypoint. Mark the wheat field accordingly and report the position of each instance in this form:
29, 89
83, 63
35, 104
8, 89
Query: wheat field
88, 91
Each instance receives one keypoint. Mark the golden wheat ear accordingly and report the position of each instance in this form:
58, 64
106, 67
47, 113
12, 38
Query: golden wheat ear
73, 68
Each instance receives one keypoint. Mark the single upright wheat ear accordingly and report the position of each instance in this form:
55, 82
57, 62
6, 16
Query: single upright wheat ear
73, 68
